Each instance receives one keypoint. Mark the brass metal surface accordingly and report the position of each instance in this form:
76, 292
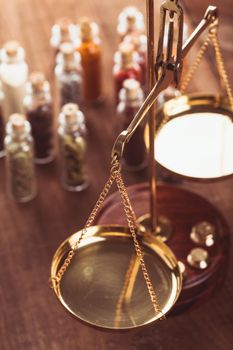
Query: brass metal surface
198, 258
206, 110
152, 112
182, 268
92, 287
163, 229
203, 233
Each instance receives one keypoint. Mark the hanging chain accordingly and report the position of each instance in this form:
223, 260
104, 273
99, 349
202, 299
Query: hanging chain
115, 175
212, 37
187, 78
122, 297
115, 168
131, 219
221, 67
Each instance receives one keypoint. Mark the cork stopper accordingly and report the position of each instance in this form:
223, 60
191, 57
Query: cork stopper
38, 81
67, 50
86, 29
131, 86
139, 42
17, 122
130, 20
126, 52
133, 40
11, 48
64, 24
69, 111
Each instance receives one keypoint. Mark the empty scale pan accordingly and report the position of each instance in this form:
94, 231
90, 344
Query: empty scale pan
104, 286
194, 137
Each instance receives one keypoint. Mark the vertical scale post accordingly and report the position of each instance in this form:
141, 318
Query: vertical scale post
151, 113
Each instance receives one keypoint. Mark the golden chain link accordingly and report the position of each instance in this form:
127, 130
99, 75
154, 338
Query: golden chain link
187, 78
212, 37
115, 167
221, 67
121, 299
131, 219
115, 175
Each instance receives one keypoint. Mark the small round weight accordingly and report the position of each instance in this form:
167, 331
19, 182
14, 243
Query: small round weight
198, 258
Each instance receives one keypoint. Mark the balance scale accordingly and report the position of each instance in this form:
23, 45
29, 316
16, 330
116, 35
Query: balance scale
154, 248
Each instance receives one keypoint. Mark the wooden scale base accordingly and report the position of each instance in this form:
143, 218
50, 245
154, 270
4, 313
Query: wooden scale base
184, 209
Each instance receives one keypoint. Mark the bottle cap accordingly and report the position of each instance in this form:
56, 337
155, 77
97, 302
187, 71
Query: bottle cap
131, 92
129, 20
17, 122
11, 48
71, 115
131, 86
12, 51
37, 81
63, 30
139, 42
69, 56
69, 111
88, 29
64, 24
67, 49
126, 52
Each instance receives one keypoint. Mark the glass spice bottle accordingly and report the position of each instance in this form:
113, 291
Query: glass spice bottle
130, 21
20, 159
126, 66
13, 74
139, 43
2, 125
68, 72
89, 47
72, 132
62, 31
39, 112
131, 98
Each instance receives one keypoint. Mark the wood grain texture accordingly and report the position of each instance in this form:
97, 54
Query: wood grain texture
30, 317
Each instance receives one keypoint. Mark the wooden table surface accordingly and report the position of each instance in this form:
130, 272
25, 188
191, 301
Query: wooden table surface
30, 316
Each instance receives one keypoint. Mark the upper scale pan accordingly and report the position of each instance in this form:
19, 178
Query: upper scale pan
195, 137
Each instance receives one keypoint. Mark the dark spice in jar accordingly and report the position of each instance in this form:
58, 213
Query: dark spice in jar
70, 92
135, 150
41, 122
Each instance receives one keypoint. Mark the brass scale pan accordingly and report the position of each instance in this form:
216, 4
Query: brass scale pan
92, 287
195, 137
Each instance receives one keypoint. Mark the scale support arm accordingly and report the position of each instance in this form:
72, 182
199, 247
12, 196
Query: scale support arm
167, 76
